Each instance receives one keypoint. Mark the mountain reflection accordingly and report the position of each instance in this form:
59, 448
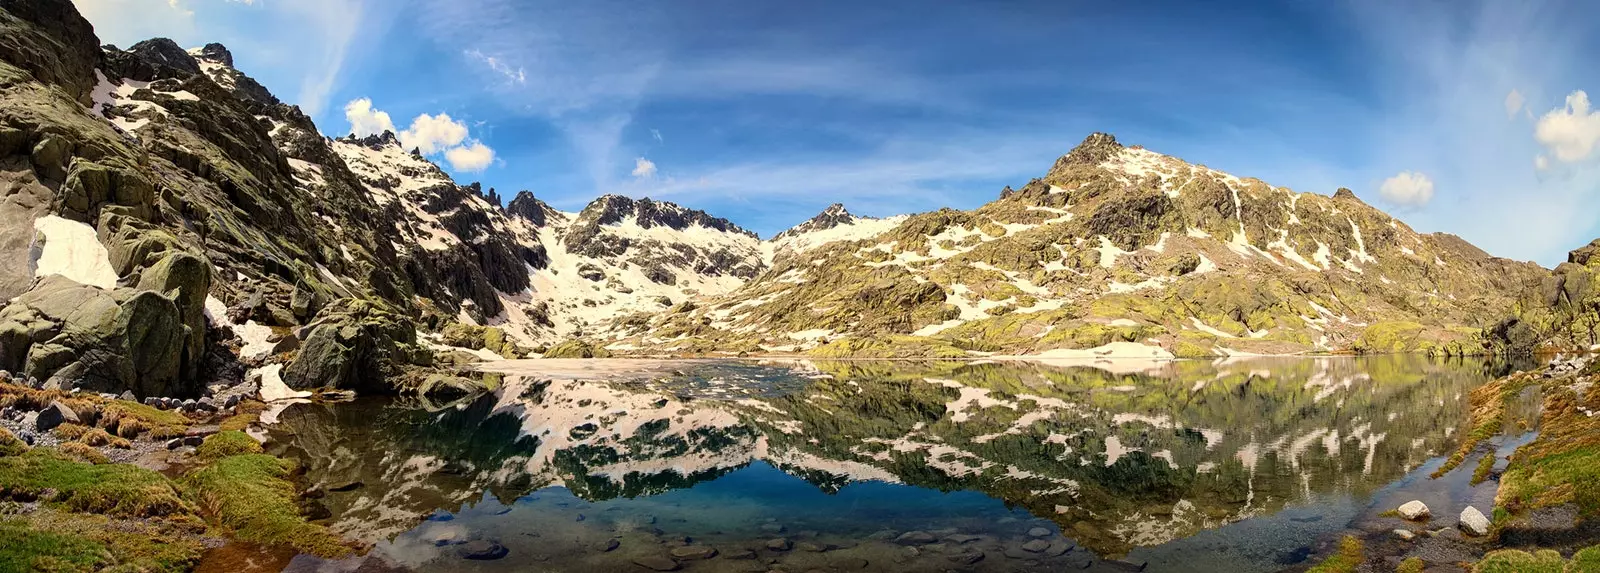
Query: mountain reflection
1118, 459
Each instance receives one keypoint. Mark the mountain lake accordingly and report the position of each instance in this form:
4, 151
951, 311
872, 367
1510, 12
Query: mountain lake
1240, 465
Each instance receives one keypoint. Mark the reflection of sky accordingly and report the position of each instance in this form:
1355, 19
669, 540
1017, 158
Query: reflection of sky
1127, 460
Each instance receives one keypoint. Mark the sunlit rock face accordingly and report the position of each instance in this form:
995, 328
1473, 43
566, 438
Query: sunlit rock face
1114, 244
1117, 460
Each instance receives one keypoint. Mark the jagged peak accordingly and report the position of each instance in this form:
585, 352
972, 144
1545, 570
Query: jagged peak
1094, 150
531, 209
165, 52
375, 142
611, 208
1345, 193
214, 52
833, 216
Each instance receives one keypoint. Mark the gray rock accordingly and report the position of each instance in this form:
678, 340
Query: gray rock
1038, 532
29, 420
54, 415
1405, 534
779, 544
811, 546
656, 563
739, 554
1059, 548
1473, 522
481, 550
27, 437
174, 443
915, 538
1414, 510
607, 545
772, 527
127, 395
694, 552
1036, 546
967, 557
960, 539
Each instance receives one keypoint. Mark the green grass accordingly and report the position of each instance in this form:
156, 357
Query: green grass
227, 443
129, 419
250, 495
10, 444
1485, 465
1346, 560
1586, 561
1567, 477
1514, 561
115, 489
23, 548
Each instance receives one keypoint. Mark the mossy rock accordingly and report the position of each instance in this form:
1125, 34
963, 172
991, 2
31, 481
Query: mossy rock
227, 443
577, 349
1515, 561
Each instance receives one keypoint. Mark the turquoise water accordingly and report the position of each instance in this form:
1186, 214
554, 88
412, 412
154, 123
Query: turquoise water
1234, 466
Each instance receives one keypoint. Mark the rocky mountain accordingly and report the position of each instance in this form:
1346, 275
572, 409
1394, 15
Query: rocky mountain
158, 197
1117, 249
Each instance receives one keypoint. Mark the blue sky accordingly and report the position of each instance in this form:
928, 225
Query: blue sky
1457, 116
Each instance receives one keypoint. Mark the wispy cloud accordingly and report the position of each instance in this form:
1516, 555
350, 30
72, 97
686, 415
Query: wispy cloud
512, 75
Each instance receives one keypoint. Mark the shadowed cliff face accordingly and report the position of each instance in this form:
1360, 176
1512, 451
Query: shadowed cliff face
1117, 461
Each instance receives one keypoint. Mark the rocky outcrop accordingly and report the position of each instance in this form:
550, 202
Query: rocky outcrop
50, 40
834, 216
170, 60
357, 345
136, 340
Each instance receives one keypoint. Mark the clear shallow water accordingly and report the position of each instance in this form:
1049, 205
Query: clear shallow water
1234, 466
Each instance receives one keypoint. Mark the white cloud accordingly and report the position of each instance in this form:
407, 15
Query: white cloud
1541, 163
656, 133
1571, 132
124, 22
1408, 188
644, 168
429, 134
1514, 101
515, 76
433, 133
364, 120
474, 156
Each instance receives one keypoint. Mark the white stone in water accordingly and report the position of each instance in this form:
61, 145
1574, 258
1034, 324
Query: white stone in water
1414, 510
1405, 534
1474, 522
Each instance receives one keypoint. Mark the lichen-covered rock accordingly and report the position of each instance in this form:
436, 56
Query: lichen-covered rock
355, 344
52, 41
576, 349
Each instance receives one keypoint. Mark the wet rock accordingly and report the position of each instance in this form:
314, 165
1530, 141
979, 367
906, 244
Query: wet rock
915, 538
54, 415
779, 544
772, 527
1473, 522
850, 563
193, 441
1036, 546
1127, 564
812, 546
694, 552
1038, 532
607, 545
482, 550
968, 557
1059, 548
1414, 510
739, 554
441, 515
656, 563
174, 443
1405, 534
960, 539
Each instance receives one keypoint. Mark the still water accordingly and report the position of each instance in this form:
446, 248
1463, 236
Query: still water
1237, 466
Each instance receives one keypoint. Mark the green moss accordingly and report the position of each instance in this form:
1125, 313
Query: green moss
1345, 560
576, 349
116, 489
227, 443
888, 347
130, 419
1568, 477
1410, 565
68, 541
10, 444
251, 495
1514, 561
1585, 561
